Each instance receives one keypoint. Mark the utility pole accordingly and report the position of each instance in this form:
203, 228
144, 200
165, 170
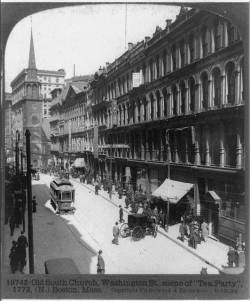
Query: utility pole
29, 199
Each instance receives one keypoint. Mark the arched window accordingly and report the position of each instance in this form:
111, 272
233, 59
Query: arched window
191, 47
191, 84
233, 33
217, 35
158, 97
139, 109
175, 100
204, 85
164, 92
151, 70
230, 76
164, 62
204, 41
157, 69
173, 53
152, 106
183, 97
182, 53
216, 87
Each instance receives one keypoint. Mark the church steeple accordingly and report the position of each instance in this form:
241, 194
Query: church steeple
32, 59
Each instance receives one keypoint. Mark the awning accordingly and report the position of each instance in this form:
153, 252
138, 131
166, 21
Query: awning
172, 191
212, 196
79, 162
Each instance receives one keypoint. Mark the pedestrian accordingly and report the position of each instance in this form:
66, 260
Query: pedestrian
121, 214
100, 263
120, 191
116, 232
231, 257
13, 257
154, 226
126, 201
34, 204
203, 271
96, 188
22, 244
12, 224
204, 231
181, 231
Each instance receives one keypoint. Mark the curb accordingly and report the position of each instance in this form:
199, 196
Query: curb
161, 232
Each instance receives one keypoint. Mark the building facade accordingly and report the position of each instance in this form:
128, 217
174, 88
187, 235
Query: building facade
173, 104
71, 124
8, 128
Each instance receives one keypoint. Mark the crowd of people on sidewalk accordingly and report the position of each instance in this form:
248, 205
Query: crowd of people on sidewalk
17, 254
194, 230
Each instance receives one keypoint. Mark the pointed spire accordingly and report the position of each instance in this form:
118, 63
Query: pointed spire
32, 60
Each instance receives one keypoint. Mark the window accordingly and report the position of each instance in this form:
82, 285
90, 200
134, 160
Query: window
217, 35
57, 80
192, 94
45, 112
157, 62
217, 87
230, 73
204, 41
182, 53
175, 105
173, 53
233, 34
204, 84
191, 47
164, 62
183, 97
151, 72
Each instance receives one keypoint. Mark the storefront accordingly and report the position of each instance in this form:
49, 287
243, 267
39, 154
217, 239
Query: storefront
177, 199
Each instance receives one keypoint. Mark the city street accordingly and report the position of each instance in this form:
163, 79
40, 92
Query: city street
81, 235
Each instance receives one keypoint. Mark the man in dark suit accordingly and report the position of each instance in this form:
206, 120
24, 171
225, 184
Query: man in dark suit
100, 263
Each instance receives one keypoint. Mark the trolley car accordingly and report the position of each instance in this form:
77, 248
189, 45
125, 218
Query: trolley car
62, 195
138, 226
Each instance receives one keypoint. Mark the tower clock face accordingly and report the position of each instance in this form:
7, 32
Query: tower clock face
34, 119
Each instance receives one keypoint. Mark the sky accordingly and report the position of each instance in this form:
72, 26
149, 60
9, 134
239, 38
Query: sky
85, 35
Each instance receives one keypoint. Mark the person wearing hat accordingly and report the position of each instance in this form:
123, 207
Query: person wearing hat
115, 234
100, 263
231, 257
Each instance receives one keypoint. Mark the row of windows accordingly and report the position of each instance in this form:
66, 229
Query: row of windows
185, 51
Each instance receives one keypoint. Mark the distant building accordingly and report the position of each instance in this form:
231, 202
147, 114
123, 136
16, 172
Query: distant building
8, 127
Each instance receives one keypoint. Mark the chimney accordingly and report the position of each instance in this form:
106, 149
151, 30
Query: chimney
168, 22
130, 46
147, 38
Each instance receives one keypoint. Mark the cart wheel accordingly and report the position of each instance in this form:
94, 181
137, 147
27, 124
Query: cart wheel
124, 230
138, 233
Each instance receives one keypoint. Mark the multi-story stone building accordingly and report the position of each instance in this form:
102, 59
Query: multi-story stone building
71, 123
173, 104
8, 128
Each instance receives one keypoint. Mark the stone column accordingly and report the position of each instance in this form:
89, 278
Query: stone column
161, 104
126, 113
225, 34
160, 146
136, 112
222, 148
186, 98
176, 155
212, 40
239, 149
169, 62
142, 146
169, 101
210, 93
178, 100
207, 146
178, 57
197, 158
197, 104
223, 90
147, 146
142, 110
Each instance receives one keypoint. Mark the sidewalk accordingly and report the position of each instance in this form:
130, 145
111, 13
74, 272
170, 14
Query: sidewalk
212, 252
